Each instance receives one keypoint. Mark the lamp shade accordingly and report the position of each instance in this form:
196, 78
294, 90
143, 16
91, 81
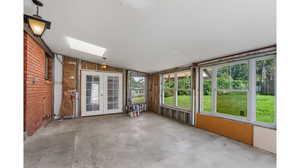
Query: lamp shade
103, 66
37, 25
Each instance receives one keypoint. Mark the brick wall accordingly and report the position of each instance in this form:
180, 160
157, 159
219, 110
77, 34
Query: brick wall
37, 95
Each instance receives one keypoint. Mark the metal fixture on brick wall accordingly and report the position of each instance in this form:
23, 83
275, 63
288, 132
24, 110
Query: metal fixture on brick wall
34, 80
35, 22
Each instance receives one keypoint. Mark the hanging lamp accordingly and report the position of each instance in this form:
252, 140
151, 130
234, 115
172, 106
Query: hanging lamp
35, 22
103, 65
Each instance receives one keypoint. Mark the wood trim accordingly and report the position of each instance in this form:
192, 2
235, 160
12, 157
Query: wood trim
222, 58
238, 131
237, 55
176, 69
85, 60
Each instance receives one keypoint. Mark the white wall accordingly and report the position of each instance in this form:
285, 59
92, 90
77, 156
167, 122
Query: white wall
29, 7
265, 138
57, 83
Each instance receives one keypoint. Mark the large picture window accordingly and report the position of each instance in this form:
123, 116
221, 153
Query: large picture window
177, 89
232, 89
137, 85
240, 90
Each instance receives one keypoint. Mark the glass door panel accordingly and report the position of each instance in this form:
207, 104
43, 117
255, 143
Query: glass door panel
112, 92
92, 93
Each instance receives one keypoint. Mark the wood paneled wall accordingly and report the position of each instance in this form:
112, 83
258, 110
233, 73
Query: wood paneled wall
71, 79
236, 130
153, 92
69, 84
97, 67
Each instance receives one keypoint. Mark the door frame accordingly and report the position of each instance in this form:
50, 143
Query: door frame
103, 89
83, 93
120, 100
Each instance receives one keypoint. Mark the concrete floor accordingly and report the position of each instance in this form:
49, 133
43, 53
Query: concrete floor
150, 141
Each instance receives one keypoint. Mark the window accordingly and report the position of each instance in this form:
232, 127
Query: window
240, 90
265, 90
136, 87
169, 89
48, 68
177, 89
232, 89
207, 90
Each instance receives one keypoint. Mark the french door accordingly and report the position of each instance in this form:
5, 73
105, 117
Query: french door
101, 93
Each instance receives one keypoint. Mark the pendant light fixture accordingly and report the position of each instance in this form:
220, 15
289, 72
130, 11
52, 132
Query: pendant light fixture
35, 22
103, 65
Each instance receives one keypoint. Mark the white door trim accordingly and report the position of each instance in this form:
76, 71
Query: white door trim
120, 92
83, 93
103, 96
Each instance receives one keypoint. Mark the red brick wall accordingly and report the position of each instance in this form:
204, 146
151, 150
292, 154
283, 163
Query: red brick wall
37, 95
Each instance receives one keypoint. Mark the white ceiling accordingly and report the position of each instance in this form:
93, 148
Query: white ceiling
153, 35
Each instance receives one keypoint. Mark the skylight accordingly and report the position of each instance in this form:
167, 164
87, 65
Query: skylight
85, 47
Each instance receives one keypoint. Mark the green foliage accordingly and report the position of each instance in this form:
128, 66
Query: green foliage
265, 77
207, 87
184, 82
239, 84
223, 82
184, 92
169, 84
234, 77
168, 92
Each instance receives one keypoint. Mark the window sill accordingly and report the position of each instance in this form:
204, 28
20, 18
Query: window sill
240, 119
176, 108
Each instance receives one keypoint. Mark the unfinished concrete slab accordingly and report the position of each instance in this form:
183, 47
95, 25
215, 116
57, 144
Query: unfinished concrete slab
150, 141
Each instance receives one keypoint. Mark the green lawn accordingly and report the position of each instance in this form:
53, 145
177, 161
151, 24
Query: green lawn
265, 108
234, 103
138, 99
183, 101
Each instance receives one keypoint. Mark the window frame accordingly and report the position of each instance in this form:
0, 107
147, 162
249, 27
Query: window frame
273, 125
130, 88
251, 92
176, 89
46, 75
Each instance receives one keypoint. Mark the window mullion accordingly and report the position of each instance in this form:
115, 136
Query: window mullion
176, 89
162, 90
214, 91
252, 91
201, 91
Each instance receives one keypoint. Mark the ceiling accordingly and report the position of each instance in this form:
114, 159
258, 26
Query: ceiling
154, 35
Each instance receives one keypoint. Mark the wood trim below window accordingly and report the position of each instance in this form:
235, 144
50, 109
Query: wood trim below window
239, 131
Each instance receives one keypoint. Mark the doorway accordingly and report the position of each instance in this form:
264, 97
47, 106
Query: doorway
101, 93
